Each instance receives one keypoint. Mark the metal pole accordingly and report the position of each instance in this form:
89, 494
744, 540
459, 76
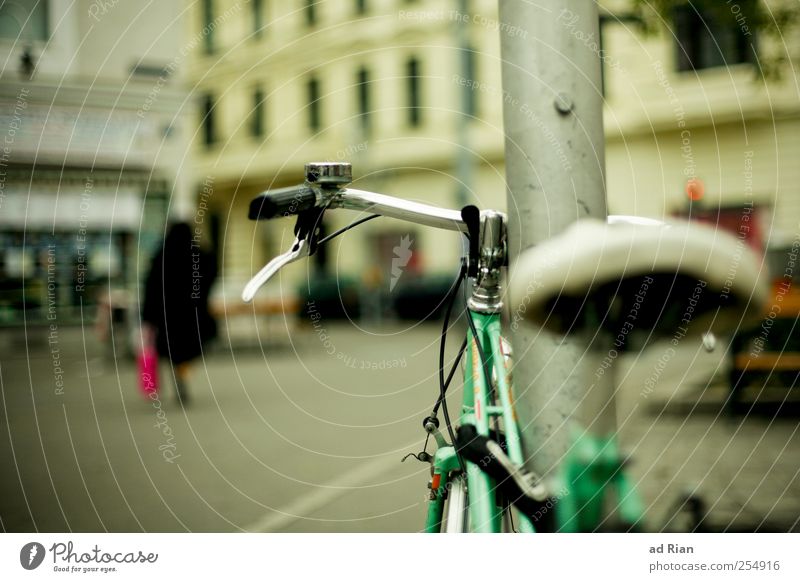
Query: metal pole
463, 151
553, 122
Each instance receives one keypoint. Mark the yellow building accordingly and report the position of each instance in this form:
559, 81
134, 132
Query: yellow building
383, 84
683, 105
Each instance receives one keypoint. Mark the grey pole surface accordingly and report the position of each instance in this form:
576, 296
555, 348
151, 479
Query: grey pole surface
552, 115
463, 152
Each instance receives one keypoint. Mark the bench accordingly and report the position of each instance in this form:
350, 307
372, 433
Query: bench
268, 320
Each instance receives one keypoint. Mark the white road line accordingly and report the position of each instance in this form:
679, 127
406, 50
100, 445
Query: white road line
325, 494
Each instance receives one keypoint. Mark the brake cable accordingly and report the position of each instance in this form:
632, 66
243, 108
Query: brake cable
348, 227
444, 384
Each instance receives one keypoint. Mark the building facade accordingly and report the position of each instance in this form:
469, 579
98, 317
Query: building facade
410, 93
693, 104
92, 154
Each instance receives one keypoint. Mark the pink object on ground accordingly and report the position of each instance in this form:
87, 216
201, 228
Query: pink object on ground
148, 370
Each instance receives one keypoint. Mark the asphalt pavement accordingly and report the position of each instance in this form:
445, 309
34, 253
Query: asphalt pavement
304, 430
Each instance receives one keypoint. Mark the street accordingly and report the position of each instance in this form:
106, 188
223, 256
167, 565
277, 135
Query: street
306, 432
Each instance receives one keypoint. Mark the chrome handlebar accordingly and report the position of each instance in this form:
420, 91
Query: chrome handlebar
360, 200
391, 207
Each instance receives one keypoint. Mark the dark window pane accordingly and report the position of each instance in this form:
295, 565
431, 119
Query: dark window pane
470, 96
413, 88
25, 20
257, 116
707, 39
258, 17
311, 12
362, 85
207, 121
208, 28
314, 118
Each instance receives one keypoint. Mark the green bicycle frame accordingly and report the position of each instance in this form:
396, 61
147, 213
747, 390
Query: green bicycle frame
591, 470
478, 409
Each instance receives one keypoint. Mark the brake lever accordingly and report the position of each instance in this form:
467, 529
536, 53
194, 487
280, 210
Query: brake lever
299, 250
306, 231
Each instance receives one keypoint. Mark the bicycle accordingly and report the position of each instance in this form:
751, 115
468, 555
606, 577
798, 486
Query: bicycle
479, 475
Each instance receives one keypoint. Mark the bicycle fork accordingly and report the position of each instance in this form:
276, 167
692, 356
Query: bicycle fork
484, 411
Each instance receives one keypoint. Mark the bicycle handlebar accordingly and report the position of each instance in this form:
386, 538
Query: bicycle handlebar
283, 202
391, 207
295, 199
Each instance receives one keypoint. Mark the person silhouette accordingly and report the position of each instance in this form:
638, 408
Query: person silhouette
176, 302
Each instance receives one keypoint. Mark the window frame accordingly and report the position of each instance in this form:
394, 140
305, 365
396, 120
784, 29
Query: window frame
310, 13
207, 17
42, 10
258, 10
258, 99
314, 101
363, 98
413, 91
208, 120
703, 43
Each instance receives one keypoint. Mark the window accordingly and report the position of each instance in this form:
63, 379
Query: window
257, 114
362, 86
24, 20
153, 70
207, 120
258, 17
311, 12
208, 27
413, 88
706, 39
470, 103
361, 6
314, 119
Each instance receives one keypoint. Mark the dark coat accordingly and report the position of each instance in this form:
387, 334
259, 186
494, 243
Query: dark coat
176, 296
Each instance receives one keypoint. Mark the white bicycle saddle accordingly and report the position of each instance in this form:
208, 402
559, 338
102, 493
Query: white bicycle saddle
635, 275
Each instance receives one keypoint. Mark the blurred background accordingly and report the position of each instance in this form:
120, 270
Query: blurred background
119, 117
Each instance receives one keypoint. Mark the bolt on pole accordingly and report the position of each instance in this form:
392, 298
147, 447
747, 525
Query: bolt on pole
553, 120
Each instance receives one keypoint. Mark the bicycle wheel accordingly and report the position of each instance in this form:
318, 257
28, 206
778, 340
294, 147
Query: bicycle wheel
456, 507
